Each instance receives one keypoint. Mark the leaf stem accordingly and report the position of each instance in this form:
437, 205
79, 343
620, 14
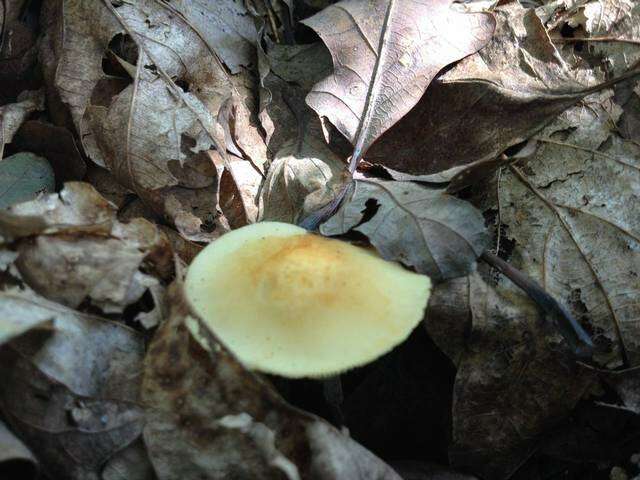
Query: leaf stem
315, 218
570, 329
596, 39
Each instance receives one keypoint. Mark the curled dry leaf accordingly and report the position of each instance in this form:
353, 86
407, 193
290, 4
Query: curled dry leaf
615, 20
152, 115
239, 184
424, 228
88, 255
15, 457
570, 211
73, 395
487, 102
13, 115
515, 377
302, 178
207, 417
77, 208
287, 73
385, 54
305, 174
16, 321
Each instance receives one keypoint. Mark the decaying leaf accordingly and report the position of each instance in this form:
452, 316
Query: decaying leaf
305, 174
487, 102
425, 228
87, 255
302, 178
152, 121
569, 210
17, 318
515, 378
15, 457
614, 20
14, 114
207, 417
629, 123
78, 207
385, 54
73, 395
239, 184
287, 73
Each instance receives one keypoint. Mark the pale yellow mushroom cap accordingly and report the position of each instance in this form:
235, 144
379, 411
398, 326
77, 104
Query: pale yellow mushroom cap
296, 304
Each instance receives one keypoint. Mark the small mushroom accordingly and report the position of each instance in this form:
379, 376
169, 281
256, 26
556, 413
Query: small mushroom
295, 304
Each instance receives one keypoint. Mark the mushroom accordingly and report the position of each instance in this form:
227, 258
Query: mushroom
296, 304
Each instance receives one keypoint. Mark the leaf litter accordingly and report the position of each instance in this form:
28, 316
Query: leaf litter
512, 130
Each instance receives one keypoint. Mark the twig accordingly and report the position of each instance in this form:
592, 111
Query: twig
315, 218
272, 21
570, 329
596, 39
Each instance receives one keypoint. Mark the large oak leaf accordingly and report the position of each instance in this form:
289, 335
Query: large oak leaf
487, 102
385, 54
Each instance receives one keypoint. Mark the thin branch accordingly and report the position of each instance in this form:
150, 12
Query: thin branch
570, 329
596, 39
272, 21
499, 216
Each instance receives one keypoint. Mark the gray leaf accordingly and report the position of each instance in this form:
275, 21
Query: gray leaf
22, 177
436, 233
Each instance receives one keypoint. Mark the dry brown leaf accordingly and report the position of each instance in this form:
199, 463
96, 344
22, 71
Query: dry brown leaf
239, 184
515, 377
15, 321
13, 115
302, 178
487, 102
616, 20
73, 395
87, 255
629, 123
424, 228
209, 418
385, 54
570, 211
152, 126
78, 208
287, 73
305, 174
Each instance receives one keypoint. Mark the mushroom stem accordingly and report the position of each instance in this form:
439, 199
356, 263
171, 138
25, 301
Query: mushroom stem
571, 330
